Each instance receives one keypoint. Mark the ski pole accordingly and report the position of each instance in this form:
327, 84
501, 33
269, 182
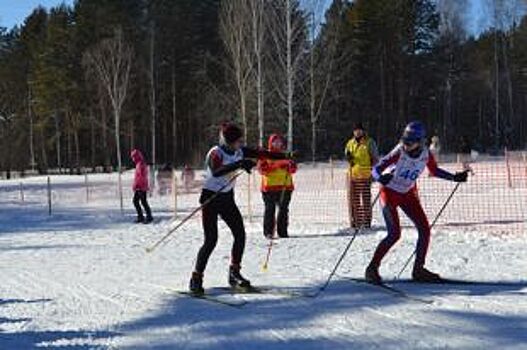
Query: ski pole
266, 263
321, 289
431, 226
189, 216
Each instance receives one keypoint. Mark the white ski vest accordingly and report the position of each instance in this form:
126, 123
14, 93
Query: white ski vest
405, 169
216, 184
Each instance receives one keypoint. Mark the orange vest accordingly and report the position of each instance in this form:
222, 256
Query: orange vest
277, 175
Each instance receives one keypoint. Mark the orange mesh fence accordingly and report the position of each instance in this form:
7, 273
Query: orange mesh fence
494, 198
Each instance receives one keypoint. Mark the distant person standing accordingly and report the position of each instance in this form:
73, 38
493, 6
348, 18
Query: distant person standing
464, 152
140, 187
362, 154
435, 147
187, 177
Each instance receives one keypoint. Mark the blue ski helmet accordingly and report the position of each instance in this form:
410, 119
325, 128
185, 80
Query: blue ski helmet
414, 132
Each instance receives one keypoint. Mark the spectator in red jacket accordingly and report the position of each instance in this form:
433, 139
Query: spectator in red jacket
140, 187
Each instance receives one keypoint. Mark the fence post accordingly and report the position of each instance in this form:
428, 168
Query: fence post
22, 192
525, 164
87, 187
249, 205
174, 190
120, 190
332, 171
349, 204
509, 180
49, 195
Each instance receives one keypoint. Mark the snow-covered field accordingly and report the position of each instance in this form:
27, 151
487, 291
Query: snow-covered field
80, 279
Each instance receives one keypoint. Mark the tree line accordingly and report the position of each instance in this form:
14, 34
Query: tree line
82, 85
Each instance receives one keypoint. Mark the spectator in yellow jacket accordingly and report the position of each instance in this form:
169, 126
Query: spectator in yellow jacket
277, 188
362, 154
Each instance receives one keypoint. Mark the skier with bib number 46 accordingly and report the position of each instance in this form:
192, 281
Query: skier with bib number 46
217, 196
397, 172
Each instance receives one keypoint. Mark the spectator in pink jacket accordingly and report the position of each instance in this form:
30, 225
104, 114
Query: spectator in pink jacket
140, 187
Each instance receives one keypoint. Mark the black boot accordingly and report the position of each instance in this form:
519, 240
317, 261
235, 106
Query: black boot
196, 283
236, 280
372, 274
420, 274
148, 220
139, 220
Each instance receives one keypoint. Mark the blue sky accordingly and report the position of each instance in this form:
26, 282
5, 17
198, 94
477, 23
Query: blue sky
14, 12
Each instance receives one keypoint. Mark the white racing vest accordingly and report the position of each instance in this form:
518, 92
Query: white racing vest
215, 184
406, 170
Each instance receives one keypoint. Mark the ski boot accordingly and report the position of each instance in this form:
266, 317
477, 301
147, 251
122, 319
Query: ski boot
139, 220
420, 274
237, 281
196, 284
372, 274
148, 220
283, 235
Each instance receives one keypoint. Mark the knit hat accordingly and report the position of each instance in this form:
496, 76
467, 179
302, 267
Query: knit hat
358, 126
230, 132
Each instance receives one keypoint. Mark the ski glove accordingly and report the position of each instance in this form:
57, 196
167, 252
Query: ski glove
384, 179
246, 164
461, 176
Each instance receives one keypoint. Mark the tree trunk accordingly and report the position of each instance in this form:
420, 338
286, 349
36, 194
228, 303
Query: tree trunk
383, 90
174, 115
118, 154
31, 132
260, 93
510, 121
289, 73
312, 102
77, 152
153, 91
497, 94
106, 154
70, 153
44, 162
57, 142
258, 31
92, 132
243, 111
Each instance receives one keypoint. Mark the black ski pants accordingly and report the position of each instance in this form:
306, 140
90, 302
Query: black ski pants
224, 206
273, 199
140, 198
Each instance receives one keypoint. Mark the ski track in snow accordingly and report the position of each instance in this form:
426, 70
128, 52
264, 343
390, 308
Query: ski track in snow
81, 280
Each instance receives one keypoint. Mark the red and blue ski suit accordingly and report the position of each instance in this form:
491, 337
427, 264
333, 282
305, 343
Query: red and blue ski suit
401, 192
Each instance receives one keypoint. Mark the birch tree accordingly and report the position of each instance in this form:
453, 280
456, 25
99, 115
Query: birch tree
110, 63
323, 51
257, 12
287, 27
235, 30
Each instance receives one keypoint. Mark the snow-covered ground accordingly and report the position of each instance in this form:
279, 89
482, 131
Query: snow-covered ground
80, 279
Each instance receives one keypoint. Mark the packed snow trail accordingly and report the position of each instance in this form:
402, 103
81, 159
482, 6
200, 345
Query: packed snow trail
82, 280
